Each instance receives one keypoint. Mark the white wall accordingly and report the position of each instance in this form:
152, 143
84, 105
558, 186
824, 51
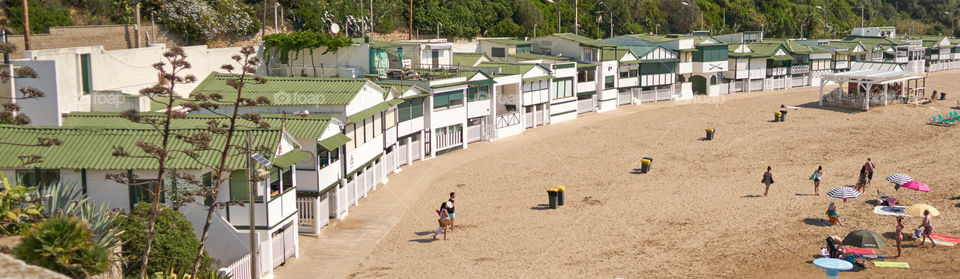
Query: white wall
47, 110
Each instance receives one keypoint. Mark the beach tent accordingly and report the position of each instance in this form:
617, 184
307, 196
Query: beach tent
864, 239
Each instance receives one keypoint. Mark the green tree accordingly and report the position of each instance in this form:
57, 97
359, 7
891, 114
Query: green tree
43, 15
174, 245
506, 28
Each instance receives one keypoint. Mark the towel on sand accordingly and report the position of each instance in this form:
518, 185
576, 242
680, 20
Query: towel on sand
945, 238
859, 251
891, 264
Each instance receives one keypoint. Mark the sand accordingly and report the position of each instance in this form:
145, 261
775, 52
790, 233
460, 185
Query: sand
697, 214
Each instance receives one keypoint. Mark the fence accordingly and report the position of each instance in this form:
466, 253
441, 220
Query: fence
237, 270
306, 212
508, 119
585, 105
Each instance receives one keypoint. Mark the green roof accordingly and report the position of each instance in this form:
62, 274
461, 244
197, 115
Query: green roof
334, 142
731, 52
356, 117
769, 51
533, 56
583, 40
511, 42
546, 77
509, 68
466, 58
288, 159
609, 55
639, 51
382, 44
400, 86
658, 39
93, 148
287, 91
585, 65
311, 126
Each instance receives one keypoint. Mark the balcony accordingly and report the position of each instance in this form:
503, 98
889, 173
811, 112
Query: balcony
841, 64
900, 60
779, 71
799, 69
269, 214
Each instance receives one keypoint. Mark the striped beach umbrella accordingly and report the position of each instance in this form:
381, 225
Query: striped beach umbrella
899, 178
916, 210
844, 193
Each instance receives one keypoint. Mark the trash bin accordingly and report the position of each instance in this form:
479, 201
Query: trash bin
943, 96
710, 133
904, 100
552, 195
560, 190
783, 115
776, 116
645, 164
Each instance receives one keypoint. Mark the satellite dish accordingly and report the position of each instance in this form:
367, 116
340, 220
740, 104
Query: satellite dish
334, 28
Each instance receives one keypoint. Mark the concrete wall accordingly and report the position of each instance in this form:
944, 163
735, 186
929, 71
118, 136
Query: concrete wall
46, 110
111, 37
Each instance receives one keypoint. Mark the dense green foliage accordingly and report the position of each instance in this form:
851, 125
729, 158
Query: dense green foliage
174, 245
43, 14
65, 245
286, 43
18, 207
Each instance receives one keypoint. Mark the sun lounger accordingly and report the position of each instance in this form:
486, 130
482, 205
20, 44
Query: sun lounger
940, 117
953, 115
891, 264
936, 121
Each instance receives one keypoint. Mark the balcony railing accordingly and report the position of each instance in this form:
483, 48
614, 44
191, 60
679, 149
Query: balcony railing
799, 69
777, 71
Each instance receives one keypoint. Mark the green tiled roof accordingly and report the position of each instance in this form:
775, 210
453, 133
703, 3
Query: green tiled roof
92, 148
767, 50
356, 117
466, 58
657, 39
288, 159
509, 68
609, 55
508, 42
731, 52
311, 126
383, 44
287, 91
639, 51
334, 142
533, 56
583, 40
401, 87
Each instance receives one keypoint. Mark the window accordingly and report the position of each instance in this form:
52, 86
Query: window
207, 181
448, 100
478, 93
377, 125
624, 72
139, 192
634, 72
327, 157
351, 133
562, 88
499, 52
417, 109
280, 181
38, 177
404, 111
86, 74
523, 49
589, 54
711, 53
608, 82
586, 75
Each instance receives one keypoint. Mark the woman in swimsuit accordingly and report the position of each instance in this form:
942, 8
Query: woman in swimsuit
767, 180
899, 234
816, 180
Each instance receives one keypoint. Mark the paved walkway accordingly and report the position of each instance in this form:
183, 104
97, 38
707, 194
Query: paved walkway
340, 248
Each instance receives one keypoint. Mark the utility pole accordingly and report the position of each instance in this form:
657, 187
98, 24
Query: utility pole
611, 25
558, 16
576, 16
263, 23
26, 25
252, 192
371, 15
861, 14
136, 25
276, 28
410, 35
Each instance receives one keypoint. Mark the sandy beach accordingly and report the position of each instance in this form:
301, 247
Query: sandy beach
697, 214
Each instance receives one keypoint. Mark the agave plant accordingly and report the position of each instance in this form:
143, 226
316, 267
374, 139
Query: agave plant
65, 199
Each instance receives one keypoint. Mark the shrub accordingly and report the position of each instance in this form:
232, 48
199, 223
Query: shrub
174, 245
203, 20
63, 244
17, 207
43, 14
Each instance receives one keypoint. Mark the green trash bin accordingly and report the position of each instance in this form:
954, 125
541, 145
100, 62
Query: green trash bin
552, 195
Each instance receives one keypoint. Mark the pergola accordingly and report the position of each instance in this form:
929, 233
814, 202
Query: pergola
868, 74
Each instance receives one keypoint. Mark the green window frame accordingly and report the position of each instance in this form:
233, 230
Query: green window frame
404, 111
523, 49
479, 93
417, 108
38, 177
448, 100
608, 82
87, 78
238, 187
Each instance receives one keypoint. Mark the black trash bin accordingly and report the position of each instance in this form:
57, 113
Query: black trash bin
943, 96
560, 191
783, 115
776, 116
552, 195
710, 133
645, 164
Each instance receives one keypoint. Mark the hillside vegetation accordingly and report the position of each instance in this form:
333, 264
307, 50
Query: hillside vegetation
203, 20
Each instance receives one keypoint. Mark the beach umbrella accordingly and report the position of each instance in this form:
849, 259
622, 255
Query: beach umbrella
916, 185
844, 193
899, 178
916, 210
864, 239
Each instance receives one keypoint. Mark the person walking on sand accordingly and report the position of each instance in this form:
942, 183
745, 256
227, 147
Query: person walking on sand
767, 180
816, 180
927, 226
870, 168
899, 234
450, 209
444, 221
862, 182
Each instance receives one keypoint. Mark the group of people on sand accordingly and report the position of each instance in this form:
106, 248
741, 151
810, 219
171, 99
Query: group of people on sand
834, 242
866, 176
447, 216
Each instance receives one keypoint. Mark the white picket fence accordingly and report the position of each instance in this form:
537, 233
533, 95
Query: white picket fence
237, 270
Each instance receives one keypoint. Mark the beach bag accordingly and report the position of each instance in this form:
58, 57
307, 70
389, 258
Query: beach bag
444, 222
813, 176
917, 233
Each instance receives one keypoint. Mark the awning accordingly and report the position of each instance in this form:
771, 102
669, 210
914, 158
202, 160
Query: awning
483, 82
334, 142
416, 96
354, 118
667, 60
546, 77
288, 159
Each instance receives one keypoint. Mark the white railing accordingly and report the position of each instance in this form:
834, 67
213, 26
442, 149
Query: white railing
508, 119
799, 69
900, 60
305, 207
239, 269
585, 105
664, 94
